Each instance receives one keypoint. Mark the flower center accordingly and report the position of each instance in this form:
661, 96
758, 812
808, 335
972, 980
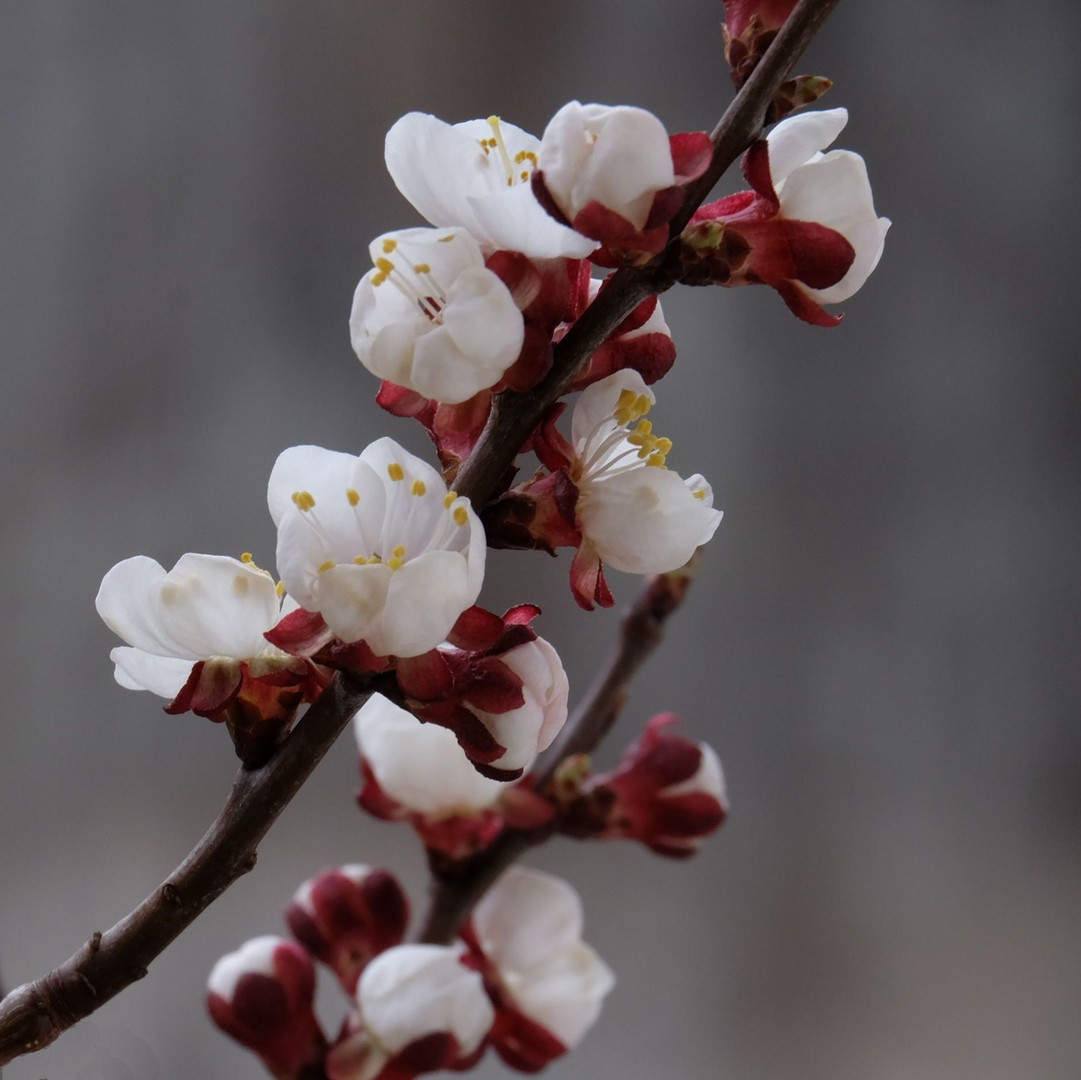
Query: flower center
404, 501
613, 447
414, 281
518, 168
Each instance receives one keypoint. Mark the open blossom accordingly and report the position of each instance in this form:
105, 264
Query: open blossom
609, 493
613, 173
547, 984
195, 636
262, 996
668, 792
476, 175
430, 316
421, 1010
375, 544
808, 228
347, 915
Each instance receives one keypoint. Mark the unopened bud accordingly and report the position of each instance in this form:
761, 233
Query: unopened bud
348, 915
262, 996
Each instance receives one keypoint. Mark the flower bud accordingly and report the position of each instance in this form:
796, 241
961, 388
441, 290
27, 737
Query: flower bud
613, 174
348, 915
668, 793
749, 27
418, 773
262, 996
421, 1010
547, 985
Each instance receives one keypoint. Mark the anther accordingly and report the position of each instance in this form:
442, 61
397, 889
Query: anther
460, 515
418, 488
448, 499
395, 471
353, 496
303, 500
325, 566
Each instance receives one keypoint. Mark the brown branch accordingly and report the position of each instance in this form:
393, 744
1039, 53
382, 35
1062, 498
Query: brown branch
515, 414
34, 1015
457, 888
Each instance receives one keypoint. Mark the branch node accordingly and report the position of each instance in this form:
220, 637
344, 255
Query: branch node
171, 895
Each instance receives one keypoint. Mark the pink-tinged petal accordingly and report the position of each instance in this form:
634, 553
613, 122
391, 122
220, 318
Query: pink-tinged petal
476, 629
795, 141
138, 670
597, 403
301, 633
692, 152
803, 307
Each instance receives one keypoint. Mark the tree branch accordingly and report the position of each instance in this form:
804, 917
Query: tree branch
35, 1014
456, 889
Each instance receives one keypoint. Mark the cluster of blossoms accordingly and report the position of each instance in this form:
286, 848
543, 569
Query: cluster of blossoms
381, 563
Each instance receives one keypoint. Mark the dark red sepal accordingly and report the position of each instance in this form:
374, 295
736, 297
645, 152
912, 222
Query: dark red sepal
301, 633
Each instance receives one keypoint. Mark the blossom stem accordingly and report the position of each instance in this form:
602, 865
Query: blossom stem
33, 1015
456, 889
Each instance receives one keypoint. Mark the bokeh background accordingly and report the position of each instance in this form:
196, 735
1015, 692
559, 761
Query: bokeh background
882, 647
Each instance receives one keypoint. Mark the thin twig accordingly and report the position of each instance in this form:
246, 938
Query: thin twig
35, 1014
457, 888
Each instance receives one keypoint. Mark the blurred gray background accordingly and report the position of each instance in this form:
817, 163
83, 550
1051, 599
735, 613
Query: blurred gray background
883, 644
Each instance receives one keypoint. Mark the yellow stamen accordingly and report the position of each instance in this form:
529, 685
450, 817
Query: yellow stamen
395, 563
303, 500
280, 589
325, 566
247, 557
399, 552
384, 266
353, 496
460, 515
699, 494
360, 560
446, 239
422, 268
395, 471
449, 498
389, 246
418, 488
493, 123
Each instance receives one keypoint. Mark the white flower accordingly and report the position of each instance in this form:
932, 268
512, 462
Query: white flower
375, 544
640, 517
529, 729
529, 926
831, 189
208, 607
618, 156
432, 318
476, 175
420, 766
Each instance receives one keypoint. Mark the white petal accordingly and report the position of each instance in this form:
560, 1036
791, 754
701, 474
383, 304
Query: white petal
302, 468
796, 140
565, 996
411, 991
511, 219
526, 916
138, 670
128, 603
646, 521
835, 191
424, 600
420, 766
352, 600
214, 605
483, 319
434, 165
